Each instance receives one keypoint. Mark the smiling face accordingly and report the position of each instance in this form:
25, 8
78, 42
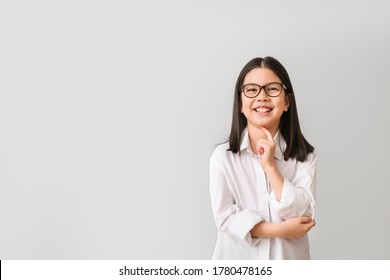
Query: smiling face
263, 111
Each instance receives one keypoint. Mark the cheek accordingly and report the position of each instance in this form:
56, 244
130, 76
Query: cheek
282, 105
245, 106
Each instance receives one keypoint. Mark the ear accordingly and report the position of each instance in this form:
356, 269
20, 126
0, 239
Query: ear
287, 102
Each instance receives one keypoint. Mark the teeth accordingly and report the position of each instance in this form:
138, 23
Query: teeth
263, 110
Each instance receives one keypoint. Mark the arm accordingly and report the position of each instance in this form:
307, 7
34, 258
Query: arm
290, 199
298, 195
246, 224
291, 229
228, 216
266, 148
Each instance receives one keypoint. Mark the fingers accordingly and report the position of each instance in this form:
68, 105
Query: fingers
298, 227
266, 149
267, 143
261, 151
310, 225
306, 219
262, 146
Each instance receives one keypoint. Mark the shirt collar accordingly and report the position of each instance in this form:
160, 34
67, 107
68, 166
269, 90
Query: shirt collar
280, 143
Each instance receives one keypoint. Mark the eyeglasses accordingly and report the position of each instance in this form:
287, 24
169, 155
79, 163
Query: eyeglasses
271, 89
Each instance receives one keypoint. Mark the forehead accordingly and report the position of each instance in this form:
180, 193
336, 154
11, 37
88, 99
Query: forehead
261, 76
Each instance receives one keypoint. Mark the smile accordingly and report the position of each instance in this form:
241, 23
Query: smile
262, 109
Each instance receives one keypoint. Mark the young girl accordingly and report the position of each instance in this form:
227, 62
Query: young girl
263, 180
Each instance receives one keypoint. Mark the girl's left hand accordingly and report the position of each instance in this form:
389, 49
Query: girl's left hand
266, 148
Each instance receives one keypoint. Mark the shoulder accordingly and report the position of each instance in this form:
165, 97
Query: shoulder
311, 157
220, 151
310, 161
221, 154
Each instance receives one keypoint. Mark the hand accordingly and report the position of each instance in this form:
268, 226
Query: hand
295, 228
266, 148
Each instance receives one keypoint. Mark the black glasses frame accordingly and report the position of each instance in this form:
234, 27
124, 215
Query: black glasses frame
263, 87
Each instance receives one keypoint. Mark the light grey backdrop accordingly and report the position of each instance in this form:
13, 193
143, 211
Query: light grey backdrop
110, 110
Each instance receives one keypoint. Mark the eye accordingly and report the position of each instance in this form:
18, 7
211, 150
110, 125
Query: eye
251, 88
272, 89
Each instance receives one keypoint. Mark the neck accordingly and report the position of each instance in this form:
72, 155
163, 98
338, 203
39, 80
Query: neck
255, 134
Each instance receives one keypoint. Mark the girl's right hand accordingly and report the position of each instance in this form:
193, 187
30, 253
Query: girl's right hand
295, 228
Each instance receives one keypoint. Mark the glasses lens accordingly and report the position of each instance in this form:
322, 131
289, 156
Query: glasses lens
251, 90
273, 89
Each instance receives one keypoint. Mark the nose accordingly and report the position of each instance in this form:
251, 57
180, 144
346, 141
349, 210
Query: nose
262, 95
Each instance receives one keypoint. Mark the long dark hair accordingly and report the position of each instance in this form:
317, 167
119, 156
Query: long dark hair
297, 146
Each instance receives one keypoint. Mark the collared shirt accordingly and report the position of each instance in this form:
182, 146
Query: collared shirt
242, 197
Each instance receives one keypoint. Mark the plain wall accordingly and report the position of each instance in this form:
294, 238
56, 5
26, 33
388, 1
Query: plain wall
110, 110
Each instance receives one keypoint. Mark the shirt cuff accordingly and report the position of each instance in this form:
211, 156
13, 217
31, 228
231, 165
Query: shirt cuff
287, 192
291, 205
243, 223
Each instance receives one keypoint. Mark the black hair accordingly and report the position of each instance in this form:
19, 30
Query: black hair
297, 146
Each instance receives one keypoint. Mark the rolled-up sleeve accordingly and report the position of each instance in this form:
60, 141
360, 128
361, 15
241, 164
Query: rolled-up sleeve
298, 195
227, 215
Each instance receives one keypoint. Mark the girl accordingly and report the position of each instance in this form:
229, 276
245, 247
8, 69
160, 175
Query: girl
263, 180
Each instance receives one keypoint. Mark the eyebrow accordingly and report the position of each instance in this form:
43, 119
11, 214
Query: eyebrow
263, 84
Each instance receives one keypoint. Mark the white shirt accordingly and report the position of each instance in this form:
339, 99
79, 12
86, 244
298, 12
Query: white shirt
241, 197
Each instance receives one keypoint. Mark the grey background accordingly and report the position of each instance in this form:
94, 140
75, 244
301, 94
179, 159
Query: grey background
110, 110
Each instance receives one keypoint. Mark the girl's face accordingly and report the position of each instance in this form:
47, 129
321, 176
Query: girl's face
263, 110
